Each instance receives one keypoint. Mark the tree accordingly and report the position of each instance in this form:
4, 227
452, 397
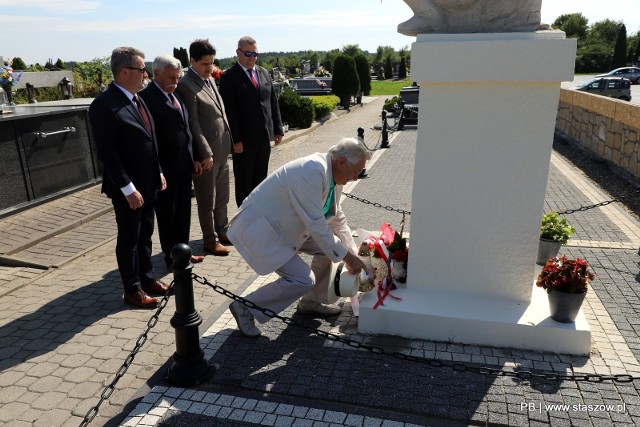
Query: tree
60, 65
636, 56
620, 50
575, 25
364, 74
182, 55
605, 31
18, 64
388, 69
345, 82
352, 50
329, 59
402, 71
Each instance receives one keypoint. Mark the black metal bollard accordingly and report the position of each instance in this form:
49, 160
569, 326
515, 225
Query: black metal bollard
189, 366
360, 139
385, 131
401, 119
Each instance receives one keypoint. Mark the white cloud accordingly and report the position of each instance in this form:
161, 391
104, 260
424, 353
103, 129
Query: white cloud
68, 6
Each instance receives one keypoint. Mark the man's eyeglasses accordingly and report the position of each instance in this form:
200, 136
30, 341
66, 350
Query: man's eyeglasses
141, 69
249, 54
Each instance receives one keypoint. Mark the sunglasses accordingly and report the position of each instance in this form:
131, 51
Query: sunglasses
249, 54
141, 69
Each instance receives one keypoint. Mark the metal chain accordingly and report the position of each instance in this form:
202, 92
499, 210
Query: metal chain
377, 205
142, 339
597, 205
434, 363
565, 212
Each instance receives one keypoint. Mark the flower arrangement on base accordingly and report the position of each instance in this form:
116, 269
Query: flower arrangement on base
570, 276
389, 255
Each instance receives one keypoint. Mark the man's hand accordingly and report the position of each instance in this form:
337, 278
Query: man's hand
197, 168
278, 139
163, 183
354, 264
207, 164
238, 148
135, 200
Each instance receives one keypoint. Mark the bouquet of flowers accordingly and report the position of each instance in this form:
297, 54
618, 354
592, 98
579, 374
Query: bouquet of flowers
8, 79
565, 275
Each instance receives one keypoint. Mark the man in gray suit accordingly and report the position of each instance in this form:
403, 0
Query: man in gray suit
211, 144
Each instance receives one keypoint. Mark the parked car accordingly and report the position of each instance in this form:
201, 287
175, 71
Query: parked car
613, 87
631, 73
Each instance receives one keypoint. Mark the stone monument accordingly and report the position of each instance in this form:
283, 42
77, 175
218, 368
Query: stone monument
489, 92
471, 16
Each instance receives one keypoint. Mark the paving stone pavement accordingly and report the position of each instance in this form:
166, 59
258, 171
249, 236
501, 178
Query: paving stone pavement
65, 333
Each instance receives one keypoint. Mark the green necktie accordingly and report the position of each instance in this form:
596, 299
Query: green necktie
331, 197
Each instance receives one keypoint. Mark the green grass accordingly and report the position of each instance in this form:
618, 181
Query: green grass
388, 87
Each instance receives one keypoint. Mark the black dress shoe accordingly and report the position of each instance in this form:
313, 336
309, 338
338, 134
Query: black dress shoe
224, 240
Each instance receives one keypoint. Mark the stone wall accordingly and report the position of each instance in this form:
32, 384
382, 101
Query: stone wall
607, 127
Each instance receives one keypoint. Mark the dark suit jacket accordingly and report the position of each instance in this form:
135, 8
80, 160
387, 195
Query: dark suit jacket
173, 134
250, 113
126, 149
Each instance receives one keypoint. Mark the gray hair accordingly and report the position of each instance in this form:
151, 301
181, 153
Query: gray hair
123, 57
350, 148
166, 61
246, 40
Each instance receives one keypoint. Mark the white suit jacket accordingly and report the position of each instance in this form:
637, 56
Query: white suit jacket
286, 209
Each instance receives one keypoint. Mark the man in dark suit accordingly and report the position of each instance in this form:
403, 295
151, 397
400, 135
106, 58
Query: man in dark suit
211, 143
254, 116
123, 132
173, 208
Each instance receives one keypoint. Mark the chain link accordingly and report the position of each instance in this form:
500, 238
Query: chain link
434, 363
597, 205
565, 212
377, 205
142, 339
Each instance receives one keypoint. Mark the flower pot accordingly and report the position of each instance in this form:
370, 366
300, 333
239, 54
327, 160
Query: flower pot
547, 249
564, 307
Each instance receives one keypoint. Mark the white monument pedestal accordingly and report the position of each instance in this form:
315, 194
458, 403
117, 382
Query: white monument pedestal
488, 105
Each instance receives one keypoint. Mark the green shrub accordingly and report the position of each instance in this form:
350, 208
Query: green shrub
390, 103
324, 105
297, 111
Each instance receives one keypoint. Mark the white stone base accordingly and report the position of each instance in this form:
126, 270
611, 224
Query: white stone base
463, 318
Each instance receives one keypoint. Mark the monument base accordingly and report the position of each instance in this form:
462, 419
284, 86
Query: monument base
468, 319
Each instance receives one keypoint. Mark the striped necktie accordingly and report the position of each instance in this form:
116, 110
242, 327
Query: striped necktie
253, 79
142, 111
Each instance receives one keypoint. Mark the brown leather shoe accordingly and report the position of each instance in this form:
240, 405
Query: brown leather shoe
216, 248
224, 240
157, 287
140, 299
196, 259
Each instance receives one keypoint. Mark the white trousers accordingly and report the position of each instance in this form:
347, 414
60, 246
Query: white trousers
297, 279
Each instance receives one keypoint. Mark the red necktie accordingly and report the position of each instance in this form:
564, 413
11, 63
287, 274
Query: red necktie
143, 113
253, 79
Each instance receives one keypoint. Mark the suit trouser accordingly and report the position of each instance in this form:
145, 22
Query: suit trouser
212, 195
133, 247
297, 279
173, 212
250, 168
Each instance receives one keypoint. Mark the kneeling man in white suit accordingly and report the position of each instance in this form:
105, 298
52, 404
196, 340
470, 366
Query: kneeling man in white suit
296, 209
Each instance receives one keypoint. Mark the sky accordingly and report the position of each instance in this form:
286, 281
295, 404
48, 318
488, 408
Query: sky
81, 30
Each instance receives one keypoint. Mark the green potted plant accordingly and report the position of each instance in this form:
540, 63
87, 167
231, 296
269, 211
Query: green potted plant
555, 231
566, 282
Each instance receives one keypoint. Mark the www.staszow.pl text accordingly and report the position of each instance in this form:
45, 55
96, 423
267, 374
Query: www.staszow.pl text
576, 407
